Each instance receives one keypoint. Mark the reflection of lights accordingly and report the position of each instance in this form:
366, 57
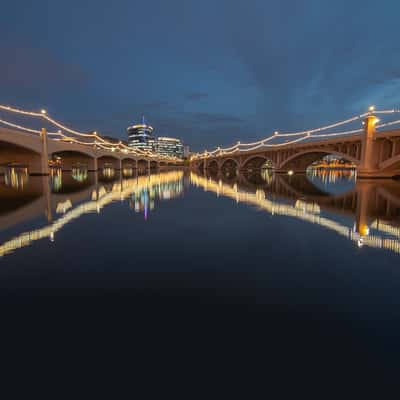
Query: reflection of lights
62, 208
127, 172
290, 173
364, 230
55, 179
16, 177
303, 212
267, 175
143, 199
52, 237
79, 173
331, 175
108, 172
309, 208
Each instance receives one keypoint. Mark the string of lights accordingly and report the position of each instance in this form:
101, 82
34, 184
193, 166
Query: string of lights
306, 134
97, 139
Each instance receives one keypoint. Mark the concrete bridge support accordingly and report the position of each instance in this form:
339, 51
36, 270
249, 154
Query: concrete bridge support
45, 153
369, 156
365, 194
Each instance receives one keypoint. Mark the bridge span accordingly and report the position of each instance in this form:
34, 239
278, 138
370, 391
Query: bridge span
374, 154
35, 149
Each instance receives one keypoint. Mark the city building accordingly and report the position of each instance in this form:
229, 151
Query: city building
167, 146
141, 136
186, 152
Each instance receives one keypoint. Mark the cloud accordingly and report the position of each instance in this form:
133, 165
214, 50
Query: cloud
25, 68
215, 118
196, 96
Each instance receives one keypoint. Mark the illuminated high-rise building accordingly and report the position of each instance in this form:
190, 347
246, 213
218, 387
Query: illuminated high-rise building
167, 146
141, 136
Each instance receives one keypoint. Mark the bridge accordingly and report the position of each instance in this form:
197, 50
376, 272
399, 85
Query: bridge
60, 209
370, 208
34, 148
366, 214
374, 152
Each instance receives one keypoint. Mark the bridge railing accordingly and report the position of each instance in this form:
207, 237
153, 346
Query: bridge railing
67, 134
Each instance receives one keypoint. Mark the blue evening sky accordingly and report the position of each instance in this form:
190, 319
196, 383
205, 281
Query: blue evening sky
211, 72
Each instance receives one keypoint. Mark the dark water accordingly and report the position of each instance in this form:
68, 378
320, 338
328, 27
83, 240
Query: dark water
298, 273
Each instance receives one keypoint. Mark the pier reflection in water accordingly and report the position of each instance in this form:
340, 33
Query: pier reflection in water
256, 258
75, 194
366, 212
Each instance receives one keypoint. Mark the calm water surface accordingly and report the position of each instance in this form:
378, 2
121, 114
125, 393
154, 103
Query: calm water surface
300, 267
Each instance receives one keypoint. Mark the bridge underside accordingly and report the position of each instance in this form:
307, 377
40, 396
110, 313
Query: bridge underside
69, 160
296, 161
372, 158
11, 154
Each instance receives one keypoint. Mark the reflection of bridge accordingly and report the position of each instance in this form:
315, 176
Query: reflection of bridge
367, 204
34, 148
71, 206
374, 154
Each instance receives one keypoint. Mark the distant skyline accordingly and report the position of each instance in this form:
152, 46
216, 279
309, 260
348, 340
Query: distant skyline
210, 72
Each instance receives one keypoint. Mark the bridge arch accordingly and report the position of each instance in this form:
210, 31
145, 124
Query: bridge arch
229, 168
142, 165
16, 154
391, 165
28, 141
229, 163
213, 166
69, 159
128, 166
109, 161
302, 160
256, 162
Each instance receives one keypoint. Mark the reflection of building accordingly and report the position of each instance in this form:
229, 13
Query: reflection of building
79, 172
332, 162
141, 136
108, 171
55, 179
186, 151
16, 177
143, 200
167, 146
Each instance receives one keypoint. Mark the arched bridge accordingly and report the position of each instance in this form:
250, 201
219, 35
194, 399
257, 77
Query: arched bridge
373, 152
35, 148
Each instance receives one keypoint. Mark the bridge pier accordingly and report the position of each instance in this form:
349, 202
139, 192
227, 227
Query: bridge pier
365, 195
369, 155
45, 153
